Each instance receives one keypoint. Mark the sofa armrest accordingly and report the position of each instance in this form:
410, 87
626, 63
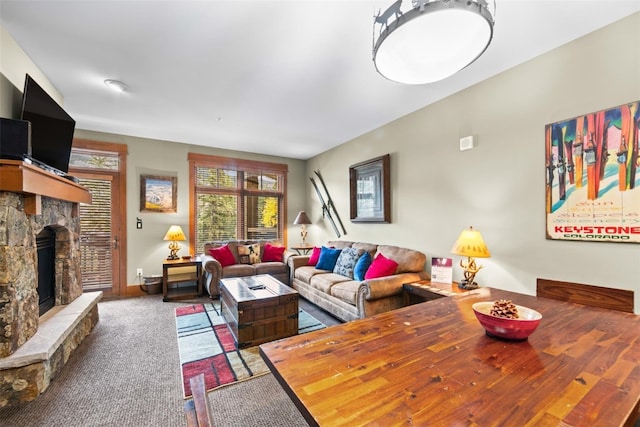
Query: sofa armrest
286, 255
213, 272
297, 261
383, 287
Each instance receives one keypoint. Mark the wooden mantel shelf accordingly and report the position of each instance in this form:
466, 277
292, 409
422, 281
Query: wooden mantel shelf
19, 177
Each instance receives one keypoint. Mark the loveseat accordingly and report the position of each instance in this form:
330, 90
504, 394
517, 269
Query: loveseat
350, 297
239, 258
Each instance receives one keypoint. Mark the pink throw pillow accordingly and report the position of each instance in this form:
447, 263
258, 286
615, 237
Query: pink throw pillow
272, 253
315, 254
223, 255
381, 267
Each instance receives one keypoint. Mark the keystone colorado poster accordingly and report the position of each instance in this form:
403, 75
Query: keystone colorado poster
592, 177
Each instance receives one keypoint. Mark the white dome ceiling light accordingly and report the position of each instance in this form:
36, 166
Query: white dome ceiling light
433, 40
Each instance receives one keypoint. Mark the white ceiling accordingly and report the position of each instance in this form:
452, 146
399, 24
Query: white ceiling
286, 78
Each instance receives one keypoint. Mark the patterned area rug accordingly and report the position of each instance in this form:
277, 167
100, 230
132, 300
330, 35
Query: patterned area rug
206, 346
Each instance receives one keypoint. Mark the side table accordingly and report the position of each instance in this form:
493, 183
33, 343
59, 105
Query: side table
191, 276
302, 249
425, 290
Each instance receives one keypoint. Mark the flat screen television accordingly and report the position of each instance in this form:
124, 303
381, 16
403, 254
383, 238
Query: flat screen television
51, 127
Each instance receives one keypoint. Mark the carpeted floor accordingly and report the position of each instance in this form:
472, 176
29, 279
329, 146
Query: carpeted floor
127, 373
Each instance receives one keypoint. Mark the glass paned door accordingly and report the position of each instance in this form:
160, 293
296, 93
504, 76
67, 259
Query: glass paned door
96, 239
101, 168
100, 234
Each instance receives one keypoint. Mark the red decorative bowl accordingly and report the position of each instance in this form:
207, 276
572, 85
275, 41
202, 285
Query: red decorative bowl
501, 327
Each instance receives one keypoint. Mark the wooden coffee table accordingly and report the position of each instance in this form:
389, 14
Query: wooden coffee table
258, 309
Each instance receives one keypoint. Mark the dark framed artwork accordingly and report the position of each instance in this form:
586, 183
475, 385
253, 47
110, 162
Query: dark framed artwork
370, 190
158, 193
592, 168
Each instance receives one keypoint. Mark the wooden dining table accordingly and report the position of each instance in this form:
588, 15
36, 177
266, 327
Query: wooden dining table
431, 364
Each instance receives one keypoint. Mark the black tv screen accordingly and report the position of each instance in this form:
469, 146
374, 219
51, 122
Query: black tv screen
51, 127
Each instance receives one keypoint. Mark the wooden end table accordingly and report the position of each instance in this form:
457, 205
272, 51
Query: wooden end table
426, 290
302, 249
186, 292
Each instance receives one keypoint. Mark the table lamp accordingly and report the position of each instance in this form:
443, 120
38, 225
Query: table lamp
470, 244
175, 235
302, 219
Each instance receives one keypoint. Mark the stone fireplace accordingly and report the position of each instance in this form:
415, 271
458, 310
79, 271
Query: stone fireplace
19, 303
33, 349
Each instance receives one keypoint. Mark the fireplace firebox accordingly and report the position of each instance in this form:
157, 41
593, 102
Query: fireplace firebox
46, 247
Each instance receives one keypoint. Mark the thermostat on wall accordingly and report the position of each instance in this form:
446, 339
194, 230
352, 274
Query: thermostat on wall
466, 143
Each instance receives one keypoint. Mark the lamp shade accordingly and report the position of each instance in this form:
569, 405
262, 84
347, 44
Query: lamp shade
175, 233
302, 218
471, 244
432, 41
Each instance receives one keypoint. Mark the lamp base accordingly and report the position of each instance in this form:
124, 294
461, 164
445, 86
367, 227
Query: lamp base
173, 255
467, 285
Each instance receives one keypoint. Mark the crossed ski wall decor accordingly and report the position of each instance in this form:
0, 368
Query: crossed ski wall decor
328, 208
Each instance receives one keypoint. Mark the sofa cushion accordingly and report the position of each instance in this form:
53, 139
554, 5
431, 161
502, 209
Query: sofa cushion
223, 255
409, 260
325, 281
249, 254
368, 247
328, 258
362, 266
315, 254
270, 268
347, 261
346, 291
305, 273
381, 267
340, 244
238, 270
272, 253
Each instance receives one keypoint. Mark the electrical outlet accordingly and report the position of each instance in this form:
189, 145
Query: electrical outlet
139, 272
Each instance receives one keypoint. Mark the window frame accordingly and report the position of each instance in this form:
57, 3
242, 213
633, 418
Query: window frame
241, 165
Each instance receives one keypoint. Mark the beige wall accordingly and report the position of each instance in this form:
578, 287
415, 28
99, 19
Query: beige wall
498, 187
145, 247
14, 64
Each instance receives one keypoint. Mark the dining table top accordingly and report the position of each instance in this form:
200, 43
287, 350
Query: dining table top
432, 364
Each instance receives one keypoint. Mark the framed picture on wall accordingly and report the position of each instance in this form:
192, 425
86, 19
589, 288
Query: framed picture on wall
158, 193
370, 191
592, 165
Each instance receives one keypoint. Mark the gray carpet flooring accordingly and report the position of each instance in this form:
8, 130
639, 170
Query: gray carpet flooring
126, 373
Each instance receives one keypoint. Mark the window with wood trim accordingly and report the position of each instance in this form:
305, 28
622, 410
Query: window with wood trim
235, 199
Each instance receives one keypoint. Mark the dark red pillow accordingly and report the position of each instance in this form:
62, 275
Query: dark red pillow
381, 267
272, 253
223, 255
315, 254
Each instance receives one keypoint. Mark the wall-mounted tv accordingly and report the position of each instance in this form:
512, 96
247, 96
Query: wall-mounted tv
51, 127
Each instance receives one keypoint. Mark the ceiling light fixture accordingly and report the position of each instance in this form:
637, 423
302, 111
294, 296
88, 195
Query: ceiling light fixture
432, 41
116, 85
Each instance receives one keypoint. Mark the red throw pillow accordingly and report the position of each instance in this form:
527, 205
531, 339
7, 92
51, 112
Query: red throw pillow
381, 267
272, 253
315, 254
223, 255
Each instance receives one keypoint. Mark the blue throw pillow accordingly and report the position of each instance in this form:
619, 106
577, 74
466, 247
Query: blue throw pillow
362, 265
328, 258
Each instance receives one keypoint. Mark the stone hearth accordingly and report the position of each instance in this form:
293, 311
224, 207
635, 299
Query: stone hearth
34, 349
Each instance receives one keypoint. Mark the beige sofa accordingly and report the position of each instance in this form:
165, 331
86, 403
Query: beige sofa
214, 271
349, 299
